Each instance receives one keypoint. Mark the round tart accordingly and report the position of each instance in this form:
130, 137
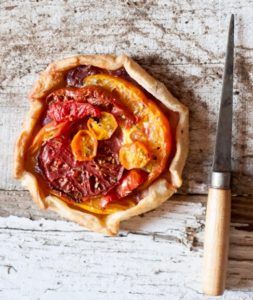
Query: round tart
103, 141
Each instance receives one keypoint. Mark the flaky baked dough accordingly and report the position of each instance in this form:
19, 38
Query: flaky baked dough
155, 194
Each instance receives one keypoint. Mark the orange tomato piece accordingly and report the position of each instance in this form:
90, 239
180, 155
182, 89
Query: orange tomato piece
104, 126
134, 155
84, 145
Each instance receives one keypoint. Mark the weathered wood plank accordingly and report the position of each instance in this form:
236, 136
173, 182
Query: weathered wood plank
74, 264
176, 226
157, 249
61, 260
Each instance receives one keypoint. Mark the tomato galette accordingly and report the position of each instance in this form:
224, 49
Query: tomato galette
103, 141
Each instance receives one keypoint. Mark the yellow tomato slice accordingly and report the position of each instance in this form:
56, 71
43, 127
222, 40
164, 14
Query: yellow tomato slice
84, 145
150, 120
134, 155
94, 206
104, 126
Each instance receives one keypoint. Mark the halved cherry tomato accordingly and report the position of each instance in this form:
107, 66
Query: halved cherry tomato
48, 132
84, 145
134, 155
104, 126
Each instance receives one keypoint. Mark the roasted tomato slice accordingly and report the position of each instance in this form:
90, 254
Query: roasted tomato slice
97, 95
134, 155
103, 127
131, 181
76, 75
75, 102
84, 145
149, 119
80, 180
48, 132
71, 111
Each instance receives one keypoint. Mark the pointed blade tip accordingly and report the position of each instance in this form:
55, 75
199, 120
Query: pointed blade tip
232, 21
222, 154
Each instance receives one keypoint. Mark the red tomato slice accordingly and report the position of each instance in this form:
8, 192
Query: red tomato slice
130, 182
81, 97
71, 111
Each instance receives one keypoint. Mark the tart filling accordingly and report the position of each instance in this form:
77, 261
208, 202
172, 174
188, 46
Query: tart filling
103, 139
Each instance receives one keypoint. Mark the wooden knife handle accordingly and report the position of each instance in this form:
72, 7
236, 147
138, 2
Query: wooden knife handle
216, 241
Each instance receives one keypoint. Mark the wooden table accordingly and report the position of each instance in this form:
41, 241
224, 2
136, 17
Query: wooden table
158, 255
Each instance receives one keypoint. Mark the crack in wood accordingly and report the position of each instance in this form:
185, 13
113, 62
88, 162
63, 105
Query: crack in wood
9, 268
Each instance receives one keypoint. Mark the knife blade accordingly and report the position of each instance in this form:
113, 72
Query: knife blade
222, 153
216, 241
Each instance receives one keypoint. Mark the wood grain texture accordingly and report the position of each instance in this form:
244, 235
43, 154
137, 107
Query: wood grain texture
216, 241
181, 43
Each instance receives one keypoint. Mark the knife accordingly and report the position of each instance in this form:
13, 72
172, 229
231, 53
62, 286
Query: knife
216, 241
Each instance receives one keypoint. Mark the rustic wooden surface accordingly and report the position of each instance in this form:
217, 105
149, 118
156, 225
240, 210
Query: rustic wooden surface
159, 255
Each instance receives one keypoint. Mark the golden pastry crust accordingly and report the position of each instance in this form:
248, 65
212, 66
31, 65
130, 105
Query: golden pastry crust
155, 194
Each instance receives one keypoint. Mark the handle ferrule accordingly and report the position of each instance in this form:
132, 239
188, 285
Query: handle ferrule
220, 180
